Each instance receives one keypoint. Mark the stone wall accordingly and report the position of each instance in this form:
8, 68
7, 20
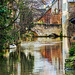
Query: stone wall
45, 30
71, 9
46, 17
51, 18
55, 19
53, 14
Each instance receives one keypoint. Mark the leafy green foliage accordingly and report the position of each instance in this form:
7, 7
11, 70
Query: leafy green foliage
72, 50
8, 32
6, 22
70, 64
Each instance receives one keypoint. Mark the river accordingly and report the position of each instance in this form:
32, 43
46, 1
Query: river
39, 56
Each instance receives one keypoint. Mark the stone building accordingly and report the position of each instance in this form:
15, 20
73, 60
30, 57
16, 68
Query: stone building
68, 12
60, 12
53, 13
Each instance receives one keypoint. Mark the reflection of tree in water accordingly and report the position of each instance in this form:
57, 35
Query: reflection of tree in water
27, 63
10, 66
4, 66
13, 59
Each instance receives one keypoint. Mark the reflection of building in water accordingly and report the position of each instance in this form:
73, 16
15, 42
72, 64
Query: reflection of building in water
52, 62
52, 51
54, 55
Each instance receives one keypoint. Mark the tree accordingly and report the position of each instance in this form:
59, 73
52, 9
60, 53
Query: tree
8, 18
6, 21
26, 17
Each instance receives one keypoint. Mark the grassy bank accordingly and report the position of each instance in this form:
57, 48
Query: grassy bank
70, 63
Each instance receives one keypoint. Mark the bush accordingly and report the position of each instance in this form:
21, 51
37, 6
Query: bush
72, 50
70, 65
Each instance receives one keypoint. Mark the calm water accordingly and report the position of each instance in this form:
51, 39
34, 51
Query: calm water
43, 56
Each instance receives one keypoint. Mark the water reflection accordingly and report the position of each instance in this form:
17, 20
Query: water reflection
15, 62
44, 56
53, 54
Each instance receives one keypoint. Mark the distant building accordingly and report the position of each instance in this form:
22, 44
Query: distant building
53, 14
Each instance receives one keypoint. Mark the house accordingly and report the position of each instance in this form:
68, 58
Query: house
45, 18
53, 14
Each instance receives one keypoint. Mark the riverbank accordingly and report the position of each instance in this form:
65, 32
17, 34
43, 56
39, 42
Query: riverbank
15, 43
70, 63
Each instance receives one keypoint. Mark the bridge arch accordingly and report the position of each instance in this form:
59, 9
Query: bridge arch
46, 29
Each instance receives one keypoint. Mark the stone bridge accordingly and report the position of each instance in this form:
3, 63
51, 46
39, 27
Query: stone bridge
47, 29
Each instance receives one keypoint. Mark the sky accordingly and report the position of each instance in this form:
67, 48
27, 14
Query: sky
48, 2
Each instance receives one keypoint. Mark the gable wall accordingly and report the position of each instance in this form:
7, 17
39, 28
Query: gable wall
52, 16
